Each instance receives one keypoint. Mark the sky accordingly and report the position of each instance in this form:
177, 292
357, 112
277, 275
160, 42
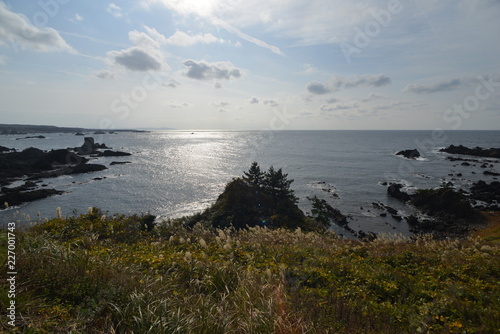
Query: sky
251, 65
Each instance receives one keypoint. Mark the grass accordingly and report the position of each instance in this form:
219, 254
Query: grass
108, 274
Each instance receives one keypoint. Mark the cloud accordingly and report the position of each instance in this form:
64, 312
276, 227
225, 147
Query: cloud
317, 88
114, 10
177, 104
332, 100
145, 56
137, 59
213, 11
338, 82
172, 83
77, 18
371, 80
442, 86
217, 85
180, 38
220, 104
253, 100
332, 107
202, 70
19, 33
270, 103
105, 74
374, 96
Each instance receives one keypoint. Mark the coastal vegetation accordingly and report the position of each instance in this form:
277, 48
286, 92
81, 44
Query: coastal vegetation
251, 263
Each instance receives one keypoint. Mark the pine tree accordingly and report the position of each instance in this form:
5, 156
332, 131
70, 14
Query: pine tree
276, 183
254, 175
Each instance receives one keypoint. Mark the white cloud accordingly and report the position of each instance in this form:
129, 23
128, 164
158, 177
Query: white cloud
77, 18
137, 59
335, 107
145, 56
202, 70
180, 38
178, 104
215, 12
114, 10
17, 31
253, 100
442, 86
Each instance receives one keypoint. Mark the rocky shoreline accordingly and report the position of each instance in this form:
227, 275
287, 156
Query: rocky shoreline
32, 165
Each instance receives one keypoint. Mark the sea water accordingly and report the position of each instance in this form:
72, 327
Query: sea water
177, 173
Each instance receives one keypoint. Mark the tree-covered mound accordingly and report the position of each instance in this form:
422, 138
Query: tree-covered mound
257, 199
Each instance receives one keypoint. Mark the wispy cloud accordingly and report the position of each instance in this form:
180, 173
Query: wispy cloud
442, 86
339, 82
181, 38
209, 10
114, 10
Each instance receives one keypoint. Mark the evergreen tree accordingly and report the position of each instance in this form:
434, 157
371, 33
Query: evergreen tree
277, 184
254, 175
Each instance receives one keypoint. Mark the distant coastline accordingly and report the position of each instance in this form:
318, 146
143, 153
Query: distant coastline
21, 129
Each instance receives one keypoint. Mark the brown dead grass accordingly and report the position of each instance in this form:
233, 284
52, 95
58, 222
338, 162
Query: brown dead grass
492, 230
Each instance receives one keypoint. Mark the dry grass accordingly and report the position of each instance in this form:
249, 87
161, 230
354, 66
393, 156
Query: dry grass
94, 274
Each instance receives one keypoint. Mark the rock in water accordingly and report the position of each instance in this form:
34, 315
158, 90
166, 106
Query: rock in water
88, 146
409, 154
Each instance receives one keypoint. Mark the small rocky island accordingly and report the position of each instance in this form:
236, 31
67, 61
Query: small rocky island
409, 154
32, 165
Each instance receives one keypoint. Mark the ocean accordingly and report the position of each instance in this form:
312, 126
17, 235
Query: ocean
177, 173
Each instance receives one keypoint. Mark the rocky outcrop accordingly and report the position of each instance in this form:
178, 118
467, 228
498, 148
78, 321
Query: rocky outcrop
451, 212
477, 151
32, 137
394, 190
409, 154
109, 153
19, 197
488, 193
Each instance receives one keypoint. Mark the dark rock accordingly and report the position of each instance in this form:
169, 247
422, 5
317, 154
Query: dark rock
79, 134
394, 190
397, 217
383, 214
19, 197
488, 193
409, 154
31, 137
487, 172
392, 211
109, 153
119, 163
478, 151
88, 146
99, 132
